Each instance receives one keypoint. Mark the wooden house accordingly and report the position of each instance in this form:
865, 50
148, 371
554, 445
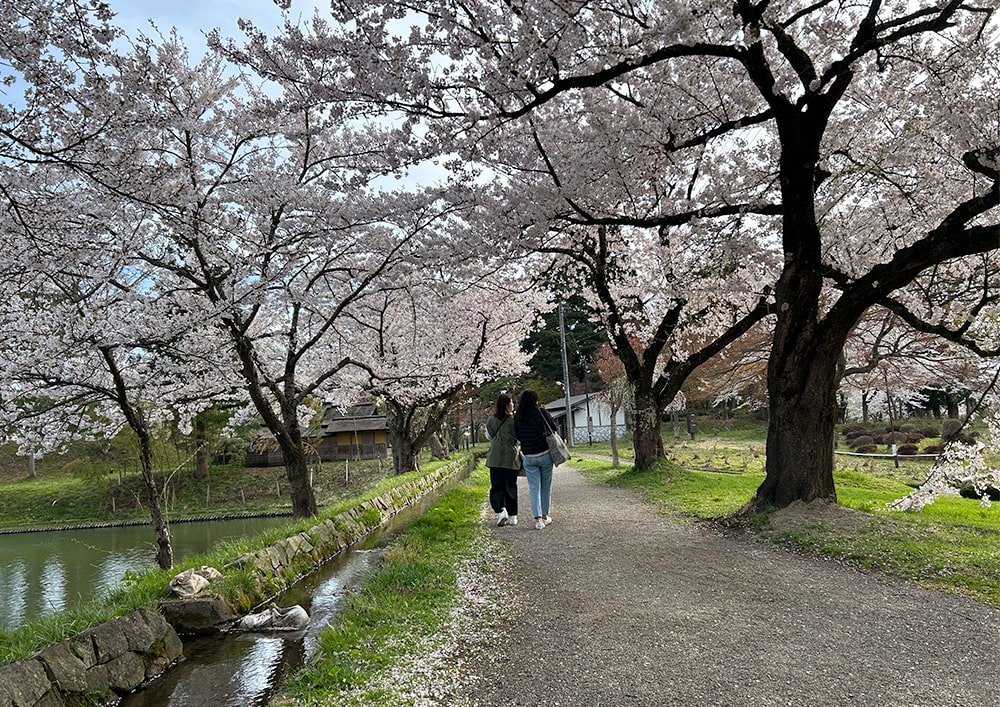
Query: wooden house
358, 432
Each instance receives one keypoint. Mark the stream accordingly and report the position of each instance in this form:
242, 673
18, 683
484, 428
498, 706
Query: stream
236, 669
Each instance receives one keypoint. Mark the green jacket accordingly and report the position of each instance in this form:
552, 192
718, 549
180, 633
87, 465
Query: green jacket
505, 450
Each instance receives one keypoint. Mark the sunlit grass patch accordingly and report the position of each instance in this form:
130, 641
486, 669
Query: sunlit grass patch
678, 490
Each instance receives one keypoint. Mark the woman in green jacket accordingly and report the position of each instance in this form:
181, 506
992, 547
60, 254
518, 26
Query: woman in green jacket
504, 461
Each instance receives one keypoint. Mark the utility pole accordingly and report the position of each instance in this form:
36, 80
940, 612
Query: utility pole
565, 362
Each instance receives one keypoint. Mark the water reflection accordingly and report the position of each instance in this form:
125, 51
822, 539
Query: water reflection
13, 598
226, 670
45, 572
325, 596
53, 585
255, 672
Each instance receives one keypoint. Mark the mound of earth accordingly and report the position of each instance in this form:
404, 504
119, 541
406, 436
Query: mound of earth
817, 513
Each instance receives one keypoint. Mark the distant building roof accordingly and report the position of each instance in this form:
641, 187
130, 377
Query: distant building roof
557, 408
355, 424
363, 417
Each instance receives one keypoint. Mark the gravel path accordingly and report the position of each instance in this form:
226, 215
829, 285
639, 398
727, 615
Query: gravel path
621, 606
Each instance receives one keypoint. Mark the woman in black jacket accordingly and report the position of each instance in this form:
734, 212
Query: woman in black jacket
532, 423
503, 461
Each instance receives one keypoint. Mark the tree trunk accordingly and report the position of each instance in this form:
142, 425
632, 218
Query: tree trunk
952, 402
164, 550
31, 467
800, 440
297, 472
615, 460
296, 468
804, 364
412, 425
136, 422
804, 370
646, 436
201, 451
437, 448
404, 454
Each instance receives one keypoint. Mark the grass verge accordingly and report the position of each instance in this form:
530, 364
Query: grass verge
63, 498
394, 641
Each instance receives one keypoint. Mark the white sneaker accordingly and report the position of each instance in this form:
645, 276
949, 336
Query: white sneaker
502, 517
512, 520
539, 525
546, 520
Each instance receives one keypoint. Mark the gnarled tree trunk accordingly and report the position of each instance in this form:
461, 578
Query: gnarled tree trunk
646, 430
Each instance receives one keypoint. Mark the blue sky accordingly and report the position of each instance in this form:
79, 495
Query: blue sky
194, 18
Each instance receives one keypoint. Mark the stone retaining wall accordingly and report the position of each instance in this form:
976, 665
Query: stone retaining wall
276, 567
113, 659
99, 665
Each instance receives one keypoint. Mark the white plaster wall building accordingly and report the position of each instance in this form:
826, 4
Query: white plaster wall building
590, 418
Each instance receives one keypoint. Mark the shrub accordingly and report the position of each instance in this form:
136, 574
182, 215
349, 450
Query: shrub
933, 449
914, 437
950, 429
970, 491
931, 432
894, 438
866, 449
907, 428
861, 441
906, 449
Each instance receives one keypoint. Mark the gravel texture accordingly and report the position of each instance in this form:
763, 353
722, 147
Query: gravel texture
617, 605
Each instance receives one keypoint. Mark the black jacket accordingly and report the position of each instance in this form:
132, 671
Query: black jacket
532, 431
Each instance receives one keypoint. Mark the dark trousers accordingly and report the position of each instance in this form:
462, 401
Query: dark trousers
503, 490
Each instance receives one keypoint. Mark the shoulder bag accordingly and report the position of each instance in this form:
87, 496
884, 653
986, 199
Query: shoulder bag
557, 448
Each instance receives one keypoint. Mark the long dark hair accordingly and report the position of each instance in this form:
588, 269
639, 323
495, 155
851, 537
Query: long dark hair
528, 403
503, 400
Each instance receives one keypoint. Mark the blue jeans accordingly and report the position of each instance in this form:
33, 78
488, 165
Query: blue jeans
538, 471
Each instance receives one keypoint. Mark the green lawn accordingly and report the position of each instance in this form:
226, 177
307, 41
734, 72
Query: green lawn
65, 498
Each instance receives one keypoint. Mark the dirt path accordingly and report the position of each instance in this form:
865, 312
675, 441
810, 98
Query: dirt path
620, 606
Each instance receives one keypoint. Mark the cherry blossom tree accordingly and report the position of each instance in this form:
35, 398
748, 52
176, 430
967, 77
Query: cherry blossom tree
885, 357
52, 56
868, 131
665, 313
259, 201
420, 347
91, 346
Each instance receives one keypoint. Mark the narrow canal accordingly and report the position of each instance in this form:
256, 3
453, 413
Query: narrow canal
234, 669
